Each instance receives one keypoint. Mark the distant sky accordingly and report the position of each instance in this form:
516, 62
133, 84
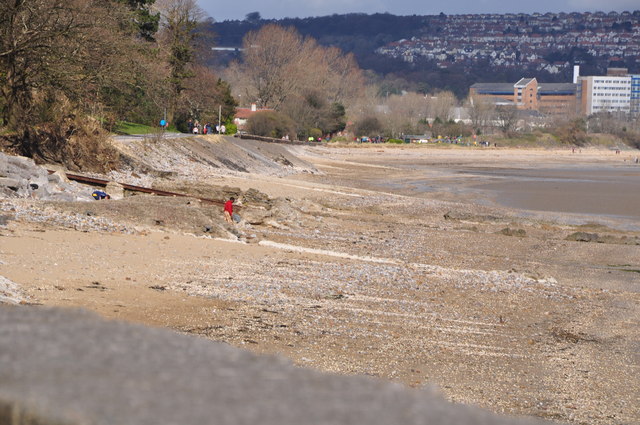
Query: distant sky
221, 10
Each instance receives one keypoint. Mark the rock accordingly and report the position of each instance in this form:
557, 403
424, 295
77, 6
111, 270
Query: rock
22, 178
583, 237
13, 184
513, 232
115, 190
59, 174
4, 163
21, 167
255, 197
461, 216
4, 219
276, 225
9, 293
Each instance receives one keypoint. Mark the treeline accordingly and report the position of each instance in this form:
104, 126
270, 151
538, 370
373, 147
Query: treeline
71, 69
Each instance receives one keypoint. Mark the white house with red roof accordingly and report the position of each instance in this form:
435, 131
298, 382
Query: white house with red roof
243, 114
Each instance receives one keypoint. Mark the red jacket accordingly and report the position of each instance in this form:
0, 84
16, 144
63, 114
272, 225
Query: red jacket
228, 206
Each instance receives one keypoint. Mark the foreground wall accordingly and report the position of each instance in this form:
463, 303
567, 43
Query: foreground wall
71, 367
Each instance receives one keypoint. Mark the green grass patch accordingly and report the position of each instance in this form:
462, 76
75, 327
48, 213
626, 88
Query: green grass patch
130, 128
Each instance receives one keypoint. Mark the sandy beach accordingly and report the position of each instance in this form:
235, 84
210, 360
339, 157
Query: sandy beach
461, 268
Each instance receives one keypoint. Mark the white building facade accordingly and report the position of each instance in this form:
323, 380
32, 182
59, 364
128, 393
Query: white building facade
635, 95
605, 94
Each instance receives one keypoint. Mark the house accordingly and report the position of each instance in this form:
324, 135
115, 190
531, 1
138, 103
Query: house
243, 114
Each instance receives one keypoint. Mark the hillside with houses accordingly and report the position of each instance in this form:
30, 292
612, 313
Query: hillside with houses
453, 52
549, 42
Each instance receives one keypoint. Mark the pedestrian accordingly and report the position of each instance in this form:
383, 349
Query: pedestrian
228, 210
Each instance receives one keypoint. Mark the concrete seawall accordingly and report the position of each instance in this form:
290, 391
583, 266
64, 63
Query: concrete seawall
61, 367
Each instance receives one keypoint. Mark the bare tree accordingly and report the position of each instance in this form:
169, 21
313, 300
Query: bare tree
481, 111
44, 43
274, 63
406, 113
206, 96
279, 64
507, 117
442, 105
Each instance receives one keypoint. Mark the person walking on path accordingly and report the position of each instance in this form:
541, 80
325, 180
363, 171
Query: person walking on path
228, 210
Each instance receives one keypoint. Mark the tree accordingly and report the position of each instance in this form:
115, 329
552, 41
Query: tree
274, 63
406, 113
368, 126
573, 132
279, 64
205, 96
144, 19
178, 23
57, 57
507, 117
252, 17
442, 105
481, 110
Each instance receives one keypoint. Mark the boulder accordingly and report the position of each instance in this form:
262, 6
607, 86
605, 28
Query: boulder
583, 237
513, 232
3, 165
115, 190
12, 183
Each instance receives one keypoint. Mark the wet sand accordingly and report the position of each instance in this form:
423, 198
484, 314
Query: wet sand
596, 187
611, 193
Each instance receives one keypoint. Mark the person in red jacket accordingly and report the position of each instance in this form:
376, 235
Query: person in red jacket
228, 210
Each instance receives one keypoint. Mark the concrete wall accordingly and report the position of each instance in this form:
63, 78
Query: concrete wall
73, 368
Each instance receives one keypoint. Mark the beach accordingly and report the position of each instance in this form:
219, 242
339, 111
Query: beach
460, 268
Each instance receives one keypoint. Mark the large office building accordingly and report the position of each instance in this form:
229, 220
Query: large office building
605, 94
635, 95
529, 94
617, 92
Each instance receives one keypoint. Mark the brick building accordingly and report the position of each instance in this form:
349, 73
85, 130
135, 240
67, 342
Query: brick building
529, 94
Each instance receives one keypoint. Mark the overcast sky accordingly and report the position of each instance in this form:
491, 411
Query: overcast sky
221, 10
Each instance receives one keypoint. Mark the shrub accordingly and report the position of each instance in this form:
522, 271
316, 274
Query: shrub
314, 132
270, 124
396, 141
231, 128
367, 126
572, 132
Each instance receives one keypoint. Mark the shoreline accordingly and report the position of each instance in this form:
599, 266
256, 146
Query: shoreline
495, 308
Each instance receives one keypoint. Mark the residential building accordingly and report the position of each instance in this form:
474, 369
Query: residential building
243, 114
